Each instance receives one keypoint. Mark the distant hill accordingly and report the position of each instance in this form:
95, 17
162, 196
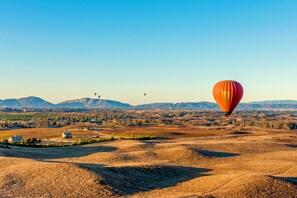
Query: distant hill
28, 102
274, 102
271, 104
90, 103
93, 103
177, 106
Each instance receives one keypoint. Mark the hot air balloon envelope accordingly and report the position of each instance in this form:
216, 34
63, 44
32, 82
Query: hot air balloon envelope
228, 94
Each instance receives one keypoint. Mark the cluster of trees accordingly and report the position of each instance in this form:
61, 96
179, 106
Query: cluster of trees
123, 118
276, 124
267, 124
25, 142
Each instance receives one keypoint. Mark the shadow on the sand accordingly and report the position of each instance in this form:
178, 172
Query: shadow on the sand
288, 179
55, 153
216, 154
131, 180
240, 133
292, 145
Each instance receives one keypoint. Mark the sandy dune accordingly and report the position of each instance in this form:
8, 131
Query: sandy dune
256, 164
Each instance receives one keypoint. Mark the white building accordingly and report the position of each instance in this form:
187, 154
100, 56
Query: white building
67, 134
15, 139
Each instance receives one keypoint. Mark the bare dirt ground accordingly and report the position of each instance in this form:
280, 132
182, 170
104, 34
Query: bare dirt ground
186, 162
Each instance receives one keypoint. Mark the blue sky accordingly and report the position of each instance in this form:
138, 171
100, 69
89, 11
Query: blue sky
175, 50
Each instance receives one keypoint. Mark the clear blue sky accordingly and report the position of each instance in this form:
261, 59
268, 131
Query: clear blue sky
173, 50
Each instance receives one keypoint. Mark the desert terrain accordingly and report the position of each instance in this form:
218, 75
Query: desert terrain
181, 162
148, 99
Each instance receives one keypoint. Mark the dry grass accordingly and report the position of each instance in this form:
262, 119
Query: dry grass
188, 162
45, 132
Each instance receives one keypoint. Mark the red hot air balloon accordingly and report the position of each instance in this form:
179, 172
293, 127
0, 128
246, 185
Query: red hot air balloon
227, 94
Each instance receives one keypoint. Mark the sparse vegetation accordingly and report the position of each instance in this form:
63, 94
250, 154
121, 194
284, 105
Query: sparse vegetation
132, 118
87, 126
33, 142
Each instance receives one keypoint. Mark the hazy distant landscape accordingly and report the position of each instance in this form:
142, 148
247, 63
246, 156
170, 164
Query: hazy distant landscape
91, 103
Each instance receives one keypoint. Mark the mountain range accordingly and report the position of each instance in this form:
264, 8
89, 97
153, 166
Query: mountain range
90, 103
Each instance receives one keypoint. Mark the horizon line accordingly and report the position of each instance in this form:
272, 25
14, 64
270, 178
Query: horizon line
269, 100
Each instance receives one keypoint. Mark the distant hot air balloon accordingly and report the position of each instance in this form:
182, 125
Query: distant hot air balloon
95, 94
227, 94
144, 94
99, 97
